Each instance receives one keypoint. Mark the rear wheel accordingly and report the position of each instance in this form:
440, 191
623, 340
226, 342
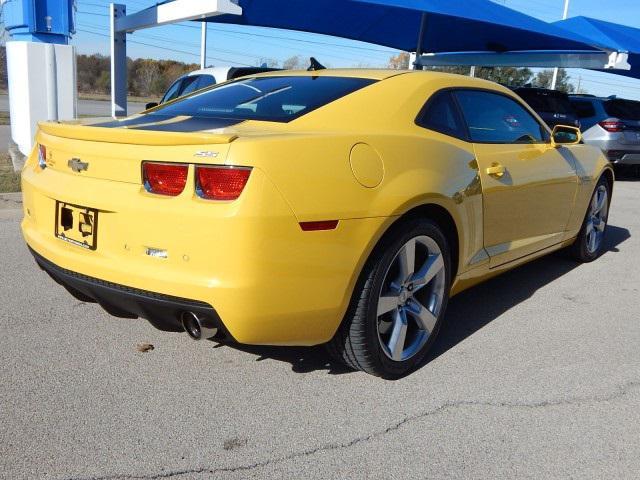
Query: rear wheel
398, 305
591, 240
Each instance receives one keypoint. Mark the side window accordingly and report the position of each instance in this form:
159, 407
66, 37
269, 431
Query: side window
189, 84
173, 91
441, 115
206, 81
583, 108
495, 118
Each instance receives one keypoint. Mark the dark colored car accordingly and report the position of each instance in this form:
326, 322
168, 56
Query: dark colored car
553, 107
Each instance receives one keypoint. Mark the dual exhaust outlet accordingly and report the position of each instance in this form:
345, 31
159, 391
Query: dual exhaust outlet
198, 326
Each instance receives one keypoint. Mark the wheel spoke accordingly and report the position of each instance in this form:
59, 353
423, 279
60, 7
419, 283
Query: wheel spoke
407, 260
600, 225
592, 240
398, 335
594, 203
599, 201
387, 302
590, 228
427, 272
425, 318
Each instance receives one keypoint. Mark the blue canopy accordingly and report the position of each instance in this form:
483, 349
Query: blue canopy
448, 25
618, 37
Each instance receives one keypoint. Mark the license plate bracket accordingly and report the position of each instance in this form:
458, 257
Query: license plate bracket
77, 225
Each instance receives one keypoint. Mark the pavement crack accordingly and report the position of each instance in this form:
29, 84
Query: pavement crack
618, 393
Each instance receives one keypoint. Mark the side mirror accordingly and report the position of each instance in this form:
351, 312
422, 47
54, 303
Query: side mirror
150, 105
565, 135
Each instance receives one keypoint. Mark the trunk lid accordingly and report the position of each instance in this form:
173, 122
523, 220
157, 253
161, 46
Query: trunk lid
116, 153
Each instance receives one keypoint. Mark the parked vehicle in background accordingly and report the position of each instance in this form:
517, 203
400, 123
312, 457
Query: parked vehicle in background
612, 124
553, 107
204, 78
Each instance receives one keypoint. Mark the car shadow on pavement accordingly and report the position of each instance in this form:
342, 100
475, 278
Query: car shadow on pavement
467, 313
473, 309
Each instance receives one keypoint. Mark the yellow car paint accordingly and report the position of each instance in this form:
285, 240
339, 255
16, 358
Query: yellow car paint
361, 160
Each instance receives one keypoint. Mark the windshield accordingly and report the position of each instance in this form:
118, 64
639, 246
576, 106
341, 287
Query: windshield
548, 102
623, 109
275, 99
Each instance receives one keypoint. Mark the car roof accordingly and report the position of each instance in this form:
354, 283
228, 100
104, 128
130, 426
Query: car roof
214, 71
539, 90
600, 99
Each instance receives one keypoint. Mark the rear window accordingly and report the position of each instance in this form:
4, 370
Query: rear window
548, 102
275, 99
583, 108
623, 109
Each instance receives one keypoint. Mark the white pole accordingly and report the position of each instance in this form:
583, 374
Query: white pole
203, 45
119, 86
472, 71
51, 76
554, 81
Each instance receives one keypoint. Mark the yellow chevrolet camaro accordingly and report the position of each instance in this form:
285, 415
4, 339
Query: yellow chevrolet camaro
300, 208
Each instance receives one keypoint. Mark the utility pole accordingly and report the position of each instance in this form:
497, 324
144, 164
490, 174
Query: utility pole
554, 81
203, 45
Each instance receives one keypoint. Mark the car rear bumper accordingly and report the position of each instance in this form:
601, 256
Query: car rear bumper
624, 158
163, 311
248, 261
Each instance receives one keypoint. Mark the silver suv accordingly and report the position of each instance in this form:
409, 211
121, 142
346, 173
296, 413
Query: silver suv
613, 124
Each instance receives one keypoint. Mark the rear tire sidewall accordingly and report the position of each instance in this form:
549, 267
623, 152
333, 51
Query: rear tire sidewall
390, 368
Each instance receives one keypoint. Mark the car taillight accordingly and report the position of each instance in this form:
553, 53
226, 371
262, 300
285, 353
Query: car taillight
42, 156
220, 182
164, 178
612, 125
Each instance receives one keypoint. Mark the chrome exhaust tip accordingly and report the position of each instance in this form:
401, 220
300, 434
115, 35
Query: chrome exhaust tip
197, 326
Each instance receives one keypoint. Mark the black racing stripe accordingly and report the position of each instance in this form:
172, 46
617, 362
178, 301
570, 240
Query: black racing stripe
192, 124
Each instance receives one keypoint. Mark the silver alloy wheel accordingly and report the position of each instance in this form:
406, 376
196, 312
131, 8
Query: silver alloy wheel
597, 219
411, 298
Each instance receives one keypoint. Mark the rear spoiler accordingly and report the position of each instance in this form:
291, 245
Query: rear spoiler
132, 136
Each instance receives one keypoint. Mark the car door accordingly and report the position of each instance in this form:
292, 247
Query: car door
528, 185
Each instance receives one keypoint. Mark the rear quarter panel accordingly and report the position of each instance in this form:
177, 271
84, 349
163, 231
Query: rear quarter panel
590, 164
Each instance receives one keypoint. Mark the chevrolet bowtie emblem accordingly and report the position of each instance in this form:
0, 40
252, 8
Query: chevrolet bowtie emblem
77, 165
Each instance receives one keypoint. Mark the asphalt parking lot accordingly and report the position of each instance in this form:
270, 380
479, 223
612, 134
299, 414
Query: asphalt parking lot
536, 375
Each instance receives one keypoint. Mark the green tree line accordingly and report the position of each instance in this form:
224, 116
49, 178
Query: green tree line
147, 78
151, 78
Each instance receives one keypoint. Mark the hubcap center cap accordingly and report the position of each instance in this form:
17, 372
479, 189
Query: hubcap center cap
404, 296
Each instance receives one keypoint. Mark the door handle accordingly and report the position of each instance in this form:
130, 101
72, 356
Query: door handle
496, 170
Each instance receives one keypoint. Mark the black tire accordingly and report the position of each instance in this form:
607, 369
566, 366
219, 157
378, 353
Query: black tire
580, 250
356, 342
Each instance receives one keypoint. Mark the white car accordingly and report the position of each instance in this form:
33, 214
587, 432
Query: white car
203, 78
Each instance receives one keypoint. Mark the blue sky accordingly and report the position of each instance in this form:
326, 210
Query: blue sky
237, 45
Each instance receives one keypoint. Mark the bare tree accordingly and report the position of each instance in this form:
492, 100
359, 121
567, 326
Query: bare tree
293, 63
399, 62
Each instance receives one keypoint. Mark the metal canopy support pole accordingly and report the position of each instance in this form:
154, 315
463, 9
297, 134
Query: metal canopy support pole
160, 14
203, 45
118, 63
423, 29
554, 80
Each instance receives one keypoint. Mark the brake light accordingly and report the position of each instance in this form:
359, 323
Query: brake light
42, 156
164, 178
221, 183
612, 125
